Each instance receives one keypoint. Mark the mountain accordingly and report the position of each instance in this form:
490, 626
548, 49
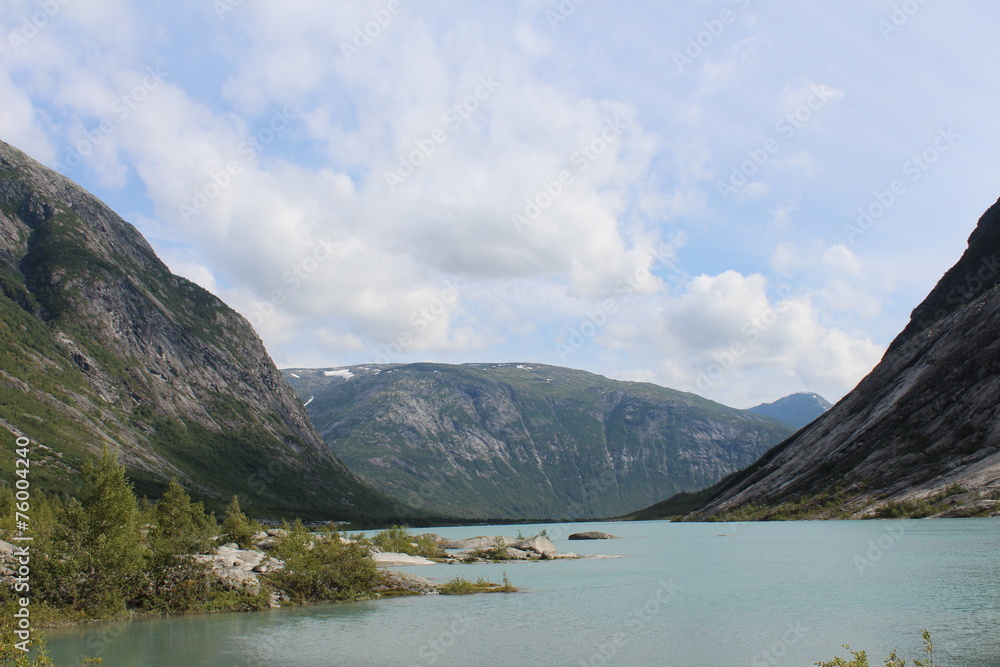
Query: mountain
919, 435
797, 410
101, 345
525, 440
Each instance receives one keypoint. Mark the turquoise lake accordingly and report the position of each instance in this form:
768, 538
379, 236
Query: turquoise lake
687, 595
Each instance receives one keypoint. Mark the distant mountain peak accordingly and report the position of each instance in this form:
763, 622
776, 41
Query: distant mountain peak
796, 410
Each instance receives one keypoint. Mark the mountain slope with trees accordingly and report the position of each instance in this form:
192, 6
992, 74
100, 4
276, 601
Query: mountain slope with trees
525, 440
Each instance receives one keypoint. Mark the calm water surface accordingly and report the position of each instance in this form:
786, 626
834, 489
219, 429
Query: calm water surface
688, 595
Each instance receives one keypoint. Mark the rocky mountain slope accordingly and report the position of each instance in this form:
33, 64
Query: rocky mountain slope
525, 440
797, 410
925, 424
101, 344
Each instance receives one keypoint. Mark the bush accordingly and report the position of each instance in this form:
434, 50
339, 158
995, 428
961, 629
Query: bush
860, 658
460, 586
323, 568
180, 526
178, 585
96, 557
237, 527
497, 552
398, 539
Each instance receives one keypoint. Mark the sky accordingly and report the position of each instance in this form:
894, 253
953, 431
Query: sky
736, 198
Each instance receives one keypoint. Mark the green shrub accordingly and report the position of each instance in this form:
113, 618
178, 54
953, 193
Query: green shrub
496, 552
860, 658
395, 539
96, 558
178, 525
321, 567
398, 539
460, 586
428, 548
178, 585
237, 527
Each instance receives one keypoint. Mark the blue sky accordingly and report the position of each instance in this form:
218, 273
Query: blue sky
660, 191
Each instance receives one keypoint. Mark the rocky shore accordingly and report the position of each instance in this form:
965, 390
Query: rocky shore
240, 569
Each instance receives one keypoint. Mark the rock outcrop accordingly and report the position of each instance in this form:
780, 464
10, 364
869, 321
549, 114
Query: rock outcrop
487, 548
593, 535
238, 569
389, 559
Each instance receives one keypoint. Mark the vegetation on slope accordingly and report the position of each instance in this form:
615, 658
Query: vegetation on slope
525, 440
101, 344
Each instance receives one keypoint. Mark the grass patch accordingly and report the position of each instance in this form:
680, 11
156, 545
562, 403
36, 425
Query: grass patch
460, 586
921, 508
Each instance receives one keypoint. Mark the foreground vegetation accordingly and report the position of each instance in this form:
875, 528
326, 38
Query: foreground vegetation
860, 658
108, 555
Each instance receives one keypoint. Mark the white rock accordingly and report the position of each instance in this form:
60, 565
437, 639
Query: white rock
391, 559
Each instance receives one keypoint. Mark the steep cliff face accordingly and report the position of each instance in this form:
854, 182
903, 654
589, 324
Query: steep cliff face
101, 344
926, 419
525, 440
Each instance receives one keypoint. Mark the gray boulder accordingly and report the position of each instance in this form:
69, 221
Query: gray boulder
237, 569
593, 535
540, 545
388, 559
481, 542
517, 554
394, 581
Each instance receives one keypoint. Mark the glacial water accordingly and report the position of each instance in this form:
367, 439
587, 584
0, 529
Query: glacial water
687, 595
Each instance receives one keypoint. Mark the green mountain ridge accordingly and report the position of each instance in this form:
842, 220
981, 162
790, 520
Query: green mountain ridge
101, 345
524, 440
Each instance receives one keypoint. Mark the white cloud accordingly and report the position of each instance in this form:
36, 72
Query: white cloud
19, 124
731, 337
333, 265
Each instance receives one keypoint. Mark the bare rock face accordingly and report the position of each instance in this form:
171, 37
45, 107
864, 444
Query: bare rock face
389, 559
104, 345
396, 581
927, 418
540, 545
481, 542
526, 440
238, 569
